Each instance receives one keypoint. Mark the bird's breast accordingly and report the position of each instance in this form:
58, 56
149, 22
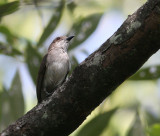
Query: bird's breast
56, 70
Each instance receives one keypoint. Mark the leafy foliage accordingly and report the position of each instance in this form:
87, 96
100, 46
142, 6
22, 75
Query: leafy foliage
8, 8
154, 130
149, 73
9, 36
29, 50
33, 59
83, 28
137, 127
54, 21
11, 103
92, 129
7, 47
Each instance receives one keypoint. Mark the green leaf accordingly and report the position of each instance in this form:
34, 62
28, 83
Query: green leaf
16, 97
74, 63
9, 50
151, 118
8, 8
7, 33
11, 103
10, 46
85, 52
5, 109
96, 126
71, 6
154, 130
149, 73
137, 129
33, 59
15, 52
53, 23
83, 28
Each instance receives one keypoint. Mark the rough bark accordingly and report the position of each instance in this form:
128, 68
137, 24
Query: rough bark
95, 78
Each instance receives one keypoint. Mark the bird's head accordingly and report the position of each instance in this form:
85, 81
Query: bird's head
60, 42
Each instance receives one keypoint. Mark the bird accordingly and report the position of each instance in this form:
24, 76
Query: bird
54, 67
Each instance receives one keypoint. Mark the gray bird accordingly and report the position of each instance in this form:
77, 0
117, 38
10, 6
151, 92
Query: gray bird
54, 67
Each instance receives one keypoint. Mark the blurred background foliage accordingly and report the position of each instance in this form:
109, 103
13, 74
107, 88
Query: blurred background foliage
27, 27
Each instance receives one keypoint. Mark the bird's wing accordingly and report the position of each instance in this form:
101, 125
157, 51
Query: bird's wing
69, 67
40, 78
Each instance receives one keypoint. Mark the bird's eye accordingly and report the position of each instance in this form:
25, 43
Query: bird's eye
58, 38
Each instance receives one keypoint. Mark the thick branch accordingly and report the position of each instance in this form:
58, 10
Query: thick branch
95, 78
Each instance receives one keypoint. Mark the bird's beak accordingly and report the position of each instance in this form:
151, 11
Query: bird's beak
69, 38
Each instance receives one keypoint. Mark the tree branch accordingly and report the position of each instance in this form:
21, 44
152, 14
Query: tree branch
96, 77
